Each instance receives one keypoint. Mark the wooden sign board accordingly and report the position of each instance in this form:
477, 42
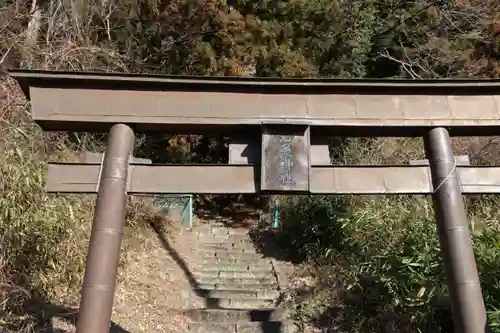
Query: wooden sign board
285, 162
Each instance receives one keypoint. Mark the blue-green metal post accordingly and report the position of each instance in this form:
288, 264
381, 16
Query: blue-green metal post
190, 210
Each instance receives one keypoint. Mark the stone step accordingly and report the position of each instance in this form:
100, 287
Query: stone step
229, 274
264, 281
229, 255
221, 235
217, 240
212, 260
238, 286
230, 260
212, 224
242, 327
203, 243
232, 244
235, 315
222, 231
227, 249
233, 268
209, 234
220, 240
241, 303
238, 294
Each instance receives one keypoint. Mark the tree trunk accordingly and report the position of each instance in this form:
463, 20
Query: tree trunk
35, 24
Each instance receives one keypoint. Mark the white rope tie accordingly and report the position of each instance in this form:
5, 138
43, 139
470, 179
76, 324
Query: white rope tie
100, 173
447, 177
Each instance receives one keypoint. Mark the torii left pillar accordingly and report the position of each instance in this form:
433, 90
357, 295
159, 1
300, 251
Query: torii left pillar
99, 282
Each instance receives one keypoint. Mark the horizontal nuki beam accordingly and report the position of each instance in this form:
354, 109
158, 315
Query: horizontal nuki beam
462, 160
215, 179
94, 102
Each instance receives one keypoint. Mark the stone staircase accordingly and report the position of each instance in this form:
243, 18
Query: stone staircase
240, 289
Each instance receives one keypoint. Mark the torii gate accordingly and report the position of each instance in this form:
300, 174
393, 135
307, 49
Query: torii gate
278, 128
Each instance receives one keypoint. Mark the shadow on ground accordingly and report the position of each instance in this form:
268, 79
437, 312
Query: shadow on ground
234, 211
306, 230
42, 316
266, 242
157, 226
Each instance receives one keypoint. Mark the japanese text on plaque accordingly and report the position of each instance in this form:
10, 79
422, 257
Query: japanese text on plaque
285, 160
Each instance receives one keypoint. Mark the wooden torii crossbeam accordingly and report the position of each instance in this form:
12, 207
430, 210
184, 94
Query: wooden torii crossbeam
278, 128
219, 179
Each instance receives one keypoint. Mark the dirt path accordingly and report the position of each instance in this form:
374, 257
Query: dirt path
150, 287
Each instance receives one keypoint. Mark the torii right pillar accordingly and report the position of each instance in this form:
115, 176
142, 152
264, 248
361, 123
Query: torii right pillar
467, 304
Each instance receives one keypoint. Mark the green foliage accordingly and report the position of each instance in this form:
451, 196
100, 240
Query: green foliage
384, 252
40, 237
310, 226
375, 38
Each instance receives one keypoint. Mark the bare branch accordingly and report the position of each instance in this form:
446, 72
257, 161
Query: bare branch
35, 24
406, 66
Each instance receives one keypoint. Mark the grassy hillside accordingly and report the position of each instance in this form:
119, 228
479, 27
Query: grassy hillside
382, 253
44, 238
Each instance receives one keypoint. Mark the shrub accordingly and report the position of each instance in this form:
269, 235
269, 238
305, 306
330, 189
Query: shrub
384, 254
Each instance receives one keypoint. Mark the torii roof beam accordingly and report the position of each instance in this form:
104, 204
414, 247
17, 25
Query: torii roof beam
176, 104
